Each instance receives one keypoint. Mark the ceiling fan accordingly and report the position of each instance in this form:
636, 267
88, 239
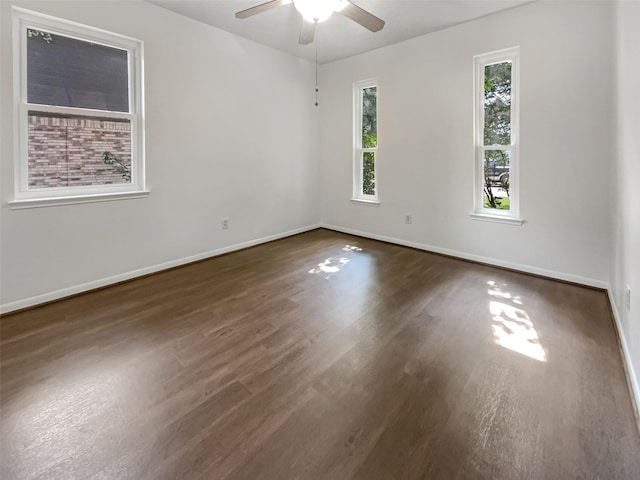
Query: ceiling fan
316, 11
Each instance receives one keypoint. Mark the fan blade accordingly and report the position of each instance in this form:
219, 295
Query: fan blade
263, 7
361, 16
307, 32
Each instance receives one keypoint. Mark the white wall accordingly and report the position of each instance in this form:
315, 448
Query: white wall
231, 130
426, 140
626, 258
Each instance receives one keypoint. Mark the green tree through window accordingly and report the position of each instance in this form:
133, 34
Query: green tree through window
497, 131
369, 139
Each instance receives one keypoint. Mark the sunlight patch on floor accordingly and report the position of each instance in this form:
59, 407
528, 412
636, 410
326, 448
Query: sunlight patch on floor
512, 327
496, 291
333, 265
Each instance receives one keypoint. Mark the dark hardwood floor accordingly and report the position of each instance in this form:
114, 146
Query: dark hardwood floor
319, 356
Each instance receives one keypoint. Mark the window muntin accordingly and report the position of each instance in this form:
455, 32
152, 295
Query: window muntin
366, 141
79, 106
496, 129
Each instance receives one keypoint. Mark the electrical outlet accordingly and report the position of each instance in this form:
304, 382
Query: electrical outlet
408, 218
627, 297
225, 223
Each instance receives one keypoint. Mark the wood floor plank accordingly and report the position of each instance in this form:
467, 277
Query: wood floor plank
318, 356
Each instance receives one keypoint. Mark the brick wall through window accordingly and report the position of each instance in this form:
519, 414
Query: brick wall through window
68, 150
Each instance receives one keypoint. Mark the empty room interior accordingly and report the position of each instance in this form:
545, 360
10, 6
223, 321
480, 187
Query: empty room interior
364, 239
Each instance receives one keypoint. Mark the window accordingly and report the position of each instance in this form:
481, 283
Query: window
365, 178
496, 136
79, 112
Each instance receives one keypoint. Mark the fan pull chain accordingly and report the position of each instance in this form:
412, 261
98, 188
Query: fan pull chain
316, 45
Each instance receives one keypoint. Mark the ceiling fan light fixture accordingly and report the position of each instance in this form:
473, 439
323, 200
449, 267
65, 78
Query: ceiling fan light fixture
318, 10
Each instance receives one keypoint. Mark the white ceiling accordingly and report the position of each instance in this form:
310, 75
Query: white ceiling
338, 37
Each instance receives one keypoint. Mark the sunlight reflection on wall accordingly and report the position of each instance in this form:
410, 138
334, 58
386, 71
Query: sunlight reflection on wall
512, 327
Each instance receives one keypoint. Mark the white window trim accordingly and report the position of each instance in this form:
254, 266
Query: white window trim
511, 216
359, 197
25, 197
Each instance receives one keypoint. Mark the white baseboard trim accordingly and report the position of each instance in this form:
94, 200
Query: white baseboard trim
626, 358
104, 282
567, 277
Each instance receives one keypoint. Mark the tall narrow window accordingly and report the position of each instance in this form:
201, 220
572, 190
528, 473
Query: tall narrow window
365, 179
78, 110
496, 135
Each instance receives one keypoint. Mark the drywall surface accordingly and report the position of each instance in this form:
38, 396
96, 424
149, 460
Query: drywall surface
626, 258
425, 133
231, 131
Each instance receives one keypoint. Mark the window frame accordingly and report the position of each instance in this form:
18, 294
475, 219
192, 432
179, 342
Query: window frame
511, 216
24, 196
358, 150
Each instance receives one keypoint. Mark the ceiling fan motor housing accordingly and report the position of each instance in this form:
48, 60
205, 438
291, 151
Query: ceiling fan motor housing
318, 10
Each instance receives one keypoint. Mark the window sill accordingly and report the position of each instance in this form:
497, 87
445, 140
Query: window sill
70, 200
362, 201
487, 217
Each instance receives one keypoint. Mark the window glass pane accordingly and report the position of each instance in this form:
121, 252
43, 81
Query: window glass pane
73, 150
368, 173
496, 179
497, 104
369, 117
66, 72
